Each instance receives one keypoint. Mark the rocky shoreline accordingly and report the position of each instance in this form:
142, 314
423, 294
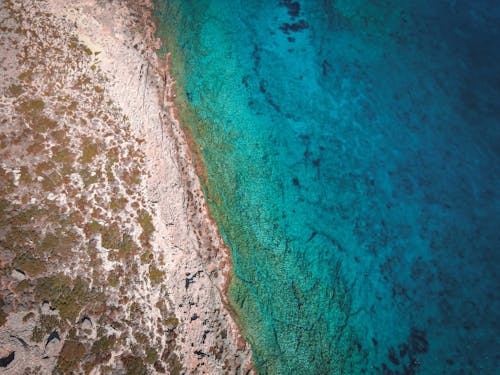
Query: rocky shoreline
144, 268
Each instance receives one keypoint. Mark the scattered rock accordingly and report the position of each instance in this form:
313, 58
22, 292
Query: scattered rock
18, 275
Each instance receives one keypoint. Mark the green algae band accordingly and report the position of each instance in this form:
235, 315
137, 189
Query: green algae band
352, 164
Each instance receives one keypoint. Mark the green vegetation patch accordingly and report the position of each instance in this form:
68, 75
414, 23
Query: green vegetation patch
3, 315
26, 76
52, 181
37, 334
113, 155
15, 239
30, 265
147, 257
48, 323
15, 90
23, 285
6, 182
132, 178
135, 311
61, 243
101, 348
4, 203
86, 49
92, 228
134, 365
88, 178
171, 322
71, 354
113, 280
89, 150
151, 355
60, 136
44, 167
65, 294
127, 247
62, 155
25, 177
118, 204
74, 43
155, 275
31, 106
147, 226
110, 236
42, 124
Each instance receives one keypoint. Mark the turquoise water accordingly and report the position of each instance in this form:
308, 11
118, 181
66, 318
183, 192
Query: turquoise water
352, 150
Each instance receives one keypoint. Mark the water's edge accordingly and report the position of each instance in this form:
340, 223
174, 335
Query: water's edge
359, 227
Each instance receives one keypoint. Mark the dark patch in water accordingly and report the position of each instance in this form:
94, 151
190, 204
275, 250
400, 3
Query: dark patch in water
244, 80
337, 245
418, 342
393, 357
256, 57
262, 86
313, 234
403, 350
294, 27
404, 358
292, 6
273, 104
325, 66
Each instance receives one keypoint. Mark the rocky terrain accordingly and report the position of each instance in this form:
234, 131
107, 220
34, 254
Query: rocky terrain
110, 263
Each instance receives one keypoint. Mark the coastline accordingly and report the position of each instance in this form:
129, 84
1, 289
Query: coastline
200, 220
123, 176
209, 234
186, 246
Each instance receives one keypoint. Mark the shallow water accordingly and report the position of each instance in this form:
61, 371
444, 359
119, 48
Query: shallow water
352, 150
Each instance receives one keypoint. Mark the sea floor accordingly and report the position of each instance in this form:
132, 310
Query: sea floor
352, 158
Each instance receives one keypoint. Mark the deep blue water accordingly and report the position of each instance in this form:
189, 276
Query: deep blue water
352, 150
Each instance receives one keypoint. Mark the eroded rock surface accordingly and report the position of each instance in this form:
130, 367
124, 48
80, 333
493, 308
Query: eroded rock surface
109, 261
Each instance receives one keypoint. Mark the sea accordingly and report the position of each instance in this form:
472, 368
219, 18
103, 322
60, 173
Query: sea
352, 158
